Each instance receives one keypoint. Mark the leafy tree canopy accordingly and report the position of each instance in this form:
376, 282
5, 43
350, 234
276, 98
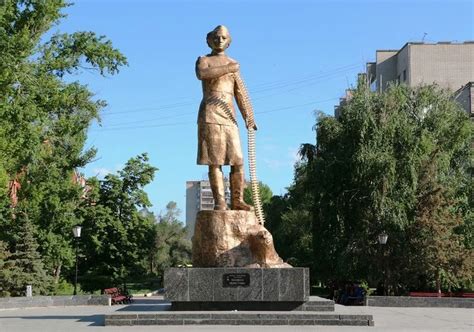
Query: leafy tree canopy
264, 190
367, 178
117, 237
395, 162
44, 119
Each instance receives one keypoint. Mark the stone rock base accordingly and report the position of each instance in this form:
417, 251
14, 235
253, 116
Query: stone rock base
233, 238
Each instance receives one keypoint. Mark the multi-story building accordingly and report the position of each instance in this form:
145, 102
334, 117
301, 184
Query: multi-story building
449, 65
199, 197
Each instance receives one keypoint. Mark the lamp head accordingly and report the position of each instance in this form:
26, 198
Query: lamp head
76, 230
382, 238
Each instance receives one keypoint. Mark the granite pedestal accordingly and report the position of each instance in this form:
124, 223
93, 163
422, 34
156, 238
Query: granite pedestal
236, 288
200, 296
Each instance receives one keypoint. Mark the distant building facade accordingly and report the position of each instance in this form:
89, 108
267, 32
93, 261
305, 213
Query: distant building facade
342, 102
199, 197
465, 96
450, 65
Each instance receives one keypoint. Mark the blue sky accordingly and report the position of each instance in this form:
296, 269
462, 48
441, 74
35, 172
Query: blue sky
295, 56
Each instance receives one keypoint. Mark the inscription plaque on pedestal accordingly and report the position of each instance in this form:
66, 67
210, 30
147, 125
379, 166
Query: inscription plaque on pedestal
236, 280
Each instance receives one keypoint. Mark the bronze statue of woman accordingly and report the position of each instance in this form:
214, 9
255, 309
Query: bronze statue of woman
218, 134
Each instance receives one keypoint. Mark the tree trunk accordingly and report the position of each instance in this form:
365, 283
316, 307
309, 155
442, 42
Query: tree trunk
57, 273
152, 258
438, 283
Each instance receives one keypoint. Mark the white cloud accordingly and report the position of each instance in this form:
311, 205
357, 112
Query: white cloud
101, 172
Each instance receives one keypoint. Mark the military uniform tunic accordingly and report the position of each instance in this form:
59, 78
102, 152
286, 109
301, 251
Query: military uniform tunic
218, 134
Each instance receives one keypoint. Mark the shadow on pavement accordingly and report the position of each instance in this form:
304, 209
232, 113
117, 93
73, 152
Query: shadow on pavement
147, 305
95, 320
142, 301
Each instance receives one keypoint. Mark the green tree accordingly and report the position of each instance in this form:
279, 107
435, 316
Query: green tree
5, 270
24, 265
289, 219
44, 117
172, 213
266, 193
117, 237
365, 176
171, 245
439, 254
5, 212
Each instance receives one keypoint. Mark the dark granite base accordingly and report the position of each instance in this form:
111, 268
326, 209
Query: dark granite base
240, 306
260, 285
237, 318
314, 304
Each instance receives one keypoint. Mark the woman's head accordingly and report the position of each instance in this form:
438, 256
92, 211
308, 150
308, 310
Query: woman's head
219, 39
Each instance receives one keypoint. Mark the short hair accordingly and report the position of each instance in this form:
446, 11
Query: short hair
211, 34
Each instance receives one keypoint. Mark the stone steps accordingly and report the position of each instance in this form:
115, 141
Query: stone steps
306, 307
237, 318
317, 304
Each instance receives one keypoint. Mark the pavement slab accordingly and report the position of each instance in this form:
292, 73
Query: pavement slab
91, 318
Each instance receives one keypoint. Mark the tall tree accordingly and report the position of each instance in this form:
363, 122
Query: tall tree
24, 265
438, 252
171, 214
44, 117
171, 247
288, 218
5, 270
366, 174
117, 237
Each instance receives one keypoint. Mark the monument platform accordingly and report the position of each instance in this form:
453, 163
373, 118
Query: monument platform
236, 318
236, 288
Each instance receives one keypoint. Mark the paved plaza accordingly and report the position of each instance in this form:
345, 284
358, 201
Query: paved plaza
90, 318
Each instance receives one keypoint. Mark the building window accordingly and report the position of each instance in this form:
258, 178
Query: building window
404, 75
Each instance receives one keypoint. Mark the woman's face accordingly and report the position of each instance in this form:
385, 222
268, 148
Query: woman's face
220, 41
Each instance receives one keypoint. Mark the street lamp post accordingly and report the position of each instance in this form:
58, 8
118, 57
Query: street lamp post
382, 239
76, 230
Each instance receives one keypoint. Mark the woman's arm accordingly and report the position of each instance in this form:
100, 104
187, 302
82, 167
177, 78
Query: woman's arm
205, 72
